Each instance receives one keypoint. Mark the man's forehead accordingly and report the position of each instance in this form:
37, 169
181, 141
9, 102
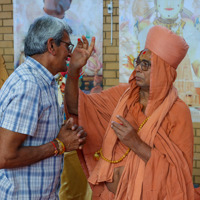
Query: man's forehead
145, 54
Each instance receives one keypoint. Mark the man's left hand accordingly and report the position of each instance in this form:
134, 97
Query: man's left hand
125, 132
81, 54
128, 135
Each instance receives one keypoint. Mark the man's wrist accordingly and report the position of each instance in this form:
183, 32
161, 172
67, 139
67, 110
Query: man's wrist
72, 70
61, 146
76, 76
56, 151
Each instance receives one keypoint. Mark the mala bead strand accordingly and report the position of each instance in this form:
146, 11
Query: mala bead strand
99, 153
143, 123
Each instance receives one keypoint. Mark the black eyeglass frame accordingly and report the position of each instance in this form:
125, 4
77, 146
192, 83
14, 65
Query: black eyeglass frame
69, 46
144, 64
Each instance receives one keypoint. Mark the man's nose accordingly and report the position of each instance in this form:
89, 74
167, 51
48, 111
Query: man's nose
138, 68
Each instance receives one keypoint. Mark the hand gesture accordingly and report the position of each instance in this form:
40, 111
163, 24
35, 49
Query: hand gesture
80, 55
125, 132
73, 136
128, 135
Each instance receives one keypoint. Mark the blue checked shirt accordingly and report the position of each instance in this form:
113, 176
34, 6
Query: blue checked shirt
29, 105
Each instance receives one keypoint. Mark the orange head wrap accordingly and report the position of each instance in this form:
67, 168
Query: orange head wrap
167, 45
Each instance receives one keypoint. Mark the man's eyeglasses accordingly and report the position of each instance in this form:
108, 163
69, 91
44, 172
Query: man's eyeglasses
69, 46
144, 64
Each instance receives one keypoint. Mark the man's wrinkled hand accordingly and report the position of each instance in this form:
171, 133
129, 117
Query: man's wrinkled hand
80, 55
125, 132
73, 136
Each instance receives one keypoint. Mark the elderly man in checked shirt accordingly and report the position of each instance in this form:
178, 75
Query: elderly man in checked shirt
32, 137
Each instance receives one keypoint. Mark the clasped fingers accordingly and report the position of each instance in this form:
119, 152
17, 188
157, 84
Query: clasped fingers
82, 138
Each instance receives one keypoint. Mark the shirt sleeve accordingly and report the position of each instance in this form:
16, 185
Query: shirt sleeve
20, 114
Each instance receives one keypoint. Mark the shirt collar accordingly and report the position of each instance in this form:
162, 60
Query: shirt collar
43, 71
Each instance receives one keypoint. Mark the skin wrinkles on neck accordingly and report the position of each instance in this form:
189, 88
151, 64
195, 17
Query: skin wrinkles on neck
144, 96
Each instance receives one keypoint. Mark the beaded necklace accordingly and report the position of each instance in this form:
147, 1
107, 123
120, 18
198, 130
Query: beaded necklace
99, 153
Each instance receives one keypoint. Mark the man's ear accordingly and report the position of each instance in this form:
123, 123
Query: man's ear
51, 46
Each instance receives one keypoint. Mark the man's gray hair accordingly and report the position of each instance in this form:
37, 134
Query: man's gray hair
41, 30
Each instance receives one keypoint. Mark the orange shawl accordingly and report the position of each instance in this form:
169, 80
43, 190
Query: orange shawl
168, 173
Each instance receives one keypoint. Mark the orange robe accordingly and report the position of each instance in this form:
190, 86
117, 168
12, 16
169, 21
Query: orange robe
168, 173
